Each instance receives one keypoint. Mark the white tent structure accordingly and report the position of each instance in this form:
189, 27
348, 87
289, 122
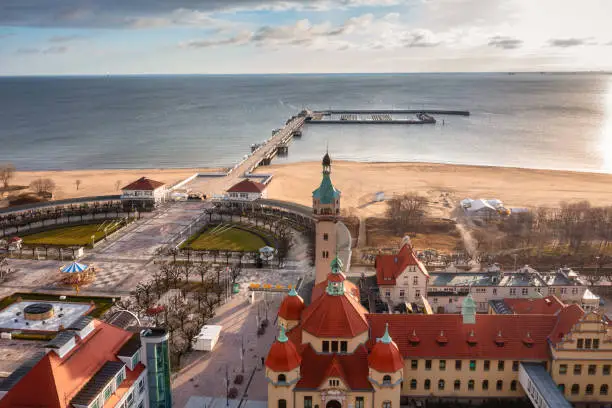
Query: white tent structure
207, 338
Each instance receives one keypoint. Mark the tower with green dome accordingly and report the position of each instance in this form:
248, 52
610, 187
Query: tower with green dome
326, 208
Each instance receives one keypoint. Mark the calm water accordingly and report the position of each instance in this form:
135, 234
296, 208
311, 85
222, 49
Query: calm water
526, 120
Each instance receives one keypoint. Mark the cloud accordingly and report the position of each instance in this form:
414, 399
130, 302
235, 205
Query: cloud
47, 50
239, 39
504, 42
421, 38
569, 42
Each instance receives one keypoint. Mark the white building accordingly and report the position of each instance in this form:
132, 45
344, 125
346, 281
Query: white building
143, 193
247, 190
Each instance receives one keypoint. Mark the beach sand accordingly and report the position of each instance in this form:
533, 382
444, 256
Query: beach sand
360, 181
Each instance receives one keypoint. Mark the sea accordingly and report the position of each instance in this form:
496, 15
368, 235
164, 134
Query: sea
531, 120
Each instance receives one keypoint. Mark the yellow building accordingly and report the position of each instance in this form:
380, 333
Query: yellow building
334, 354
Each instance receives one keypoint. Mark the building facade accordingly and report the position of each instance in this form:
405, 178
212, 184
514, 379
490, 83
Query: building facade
247, 190
143, 194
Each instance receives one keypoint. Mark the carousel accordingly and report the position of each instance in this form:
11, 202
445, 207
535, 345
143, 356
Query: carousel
76, 274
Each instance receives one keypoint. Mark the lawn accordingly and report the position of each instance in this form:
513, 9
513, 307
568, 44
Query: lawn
79, 235
226, 237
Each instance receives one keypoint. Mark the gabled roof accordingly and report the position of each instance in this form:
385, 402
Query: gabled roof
144, 184
474, 340
566, 319
247, 186
352, 369
390, 267
57, 380
335, 316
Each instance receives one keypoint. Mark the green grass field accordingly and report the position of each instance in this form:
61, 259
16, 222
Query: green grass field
226, 237
79, 235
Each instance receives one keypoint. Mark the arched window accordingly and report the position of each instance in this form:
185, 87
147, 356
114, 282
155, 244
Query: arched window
575, 389
427, 384
471, 385
500, 385
413, 384
457, 385
485, 385
387, 380
603, 390
561, 388
282, 403
589, 389
282, 378
386, 404
513, 385
440, 384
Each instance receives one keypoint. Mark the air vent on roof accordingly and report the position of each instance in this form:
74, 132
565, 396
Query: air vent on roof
442, 339
414, 339
472, 338
527, 340
499, 340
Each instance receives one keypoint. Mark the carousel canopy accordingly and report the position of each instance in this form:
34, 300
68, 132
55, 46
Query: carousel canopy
74, 267
266, 250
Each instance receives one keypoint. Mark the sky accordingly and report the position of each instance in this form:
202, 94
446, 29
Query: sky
91, 37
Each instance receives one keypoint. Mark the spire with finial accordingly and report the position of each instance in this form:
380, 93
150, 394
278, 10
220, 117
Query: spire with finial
282, 337
386, 338
292, 292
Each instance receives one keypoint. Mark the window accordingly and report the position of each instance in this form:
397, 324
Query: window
107, 393
575, 389
308, 402
442, 365
120, 378
387, 292
515, 366
500, 365
580, 343
563, 291
96, 404
457, 365
589, 389
606, 369
417, 293
141, 386
281, 378
359, 402
282, 403
457, 385
135, 359
343, 346
387, 380
415, 280
512, 291
414, 364
577, 369
325, 346
595, 344
500, 385
487, 365
563, 369
141, 405
472, 365
603, 390
592, 369
325, 236
561, 387
494, 291
427, 384
334, 346
551, 291
525, 291
485, 385
471, 385
402, 293
386, 404
440, 384
428, 364
574, 291
413, 384
435, 300
588, 343
334, 383
513, 385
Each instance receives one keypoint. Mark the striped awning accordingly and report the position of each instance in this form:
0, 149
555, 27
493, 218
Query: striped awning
74, 267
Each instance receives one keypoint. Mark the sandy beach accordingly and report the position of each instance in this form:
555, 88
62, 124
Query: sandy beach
360, 181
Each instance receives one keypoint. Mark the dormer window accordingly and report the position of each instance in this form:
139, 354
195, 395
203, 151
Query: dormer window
387, 380
282, 378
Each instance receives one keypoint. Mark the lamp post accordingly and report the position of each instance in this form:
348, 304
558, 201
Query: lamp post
226, 387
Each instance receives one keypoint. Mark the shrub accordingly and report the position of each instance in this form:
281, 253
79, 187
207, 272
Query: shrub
239, 378
261, 330
265, 323
233, 392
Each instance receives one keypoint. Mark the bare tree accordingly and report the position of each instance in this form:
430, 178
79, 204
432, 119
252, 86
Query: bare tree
77, 183
117, 185
42, 185
7, 172
406, 211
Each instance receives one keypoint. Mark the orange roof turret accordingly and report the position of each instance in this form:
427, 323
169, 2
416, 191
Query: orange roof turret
283, 355
291, 306
385, 356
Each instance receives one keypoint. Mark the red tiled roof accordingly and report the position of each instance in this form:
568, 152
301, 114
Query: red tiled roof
291, 308
430, 328
546, 305
566, 318
143, 183
385, 358
389, 267
316, 368
335, 316
283, 356
57, 380
247, 186
319, 289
